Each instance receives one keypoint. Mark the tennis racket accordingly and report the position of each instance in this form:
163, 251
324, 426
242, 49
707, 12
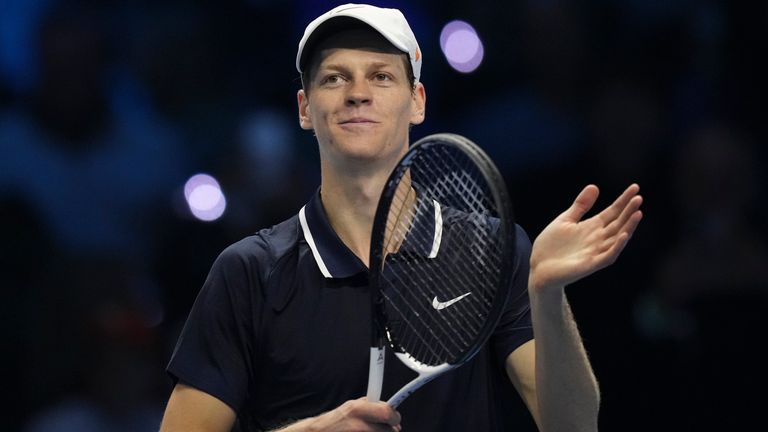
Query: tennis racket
442, 250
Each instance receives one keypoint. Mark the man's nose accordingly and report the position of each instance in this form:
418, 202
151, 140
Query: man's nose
359, 93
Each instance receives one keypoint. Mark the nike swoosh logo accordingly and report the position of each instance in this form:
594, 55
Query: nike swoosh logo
442, 305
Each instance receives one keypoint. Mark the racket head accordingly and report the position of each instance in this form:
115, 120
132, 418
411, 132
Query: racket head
442, 252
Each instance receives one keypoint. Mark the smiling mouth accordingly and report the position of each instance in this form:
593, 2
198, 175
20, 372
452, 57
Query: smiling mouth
356, 121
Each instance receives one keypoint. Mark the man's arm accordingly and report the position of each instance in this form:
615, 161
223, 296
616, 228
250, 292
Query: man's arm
568, 397
521, 369
192, 410
354, 415
564, 394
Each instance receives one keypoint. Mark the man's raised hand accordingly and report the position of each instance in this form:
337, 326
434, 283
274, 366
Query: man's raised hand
569, 248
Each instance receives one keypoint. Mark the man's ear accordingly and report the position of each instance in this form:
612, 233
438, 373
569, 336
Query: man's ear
419, 105
305, 121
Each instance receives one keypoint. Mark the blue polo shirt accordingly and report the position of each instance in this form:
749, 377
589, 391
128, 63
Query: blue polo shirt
280, 331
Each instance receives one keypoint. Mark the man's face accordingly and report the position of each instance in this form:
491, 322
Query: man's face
359, 101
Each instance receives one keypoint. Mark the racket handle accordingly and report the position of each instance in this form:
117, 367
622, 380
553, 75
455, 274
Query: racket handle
375, 374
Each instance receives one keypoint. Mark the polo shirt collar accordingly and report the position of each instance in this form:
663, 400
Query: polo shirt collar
426, 231
333, 257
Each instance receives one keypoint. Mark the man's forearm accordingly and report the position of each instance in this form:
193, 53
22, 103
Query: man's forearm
567, 392
358, 414
298, 426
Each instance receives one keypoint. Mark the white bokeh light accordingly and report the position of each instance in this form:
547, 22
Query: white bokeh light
204, 197
461, 46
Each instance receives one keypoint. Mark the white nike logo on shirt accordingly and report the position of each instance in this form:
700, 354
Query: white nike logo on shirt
442, 305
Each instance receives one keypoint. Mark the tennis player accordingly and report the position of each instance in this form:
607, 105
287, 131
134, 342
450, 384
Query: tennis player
278, 338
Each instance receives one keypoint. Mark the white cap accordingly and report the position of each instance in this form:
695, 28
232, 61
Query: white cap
389, 22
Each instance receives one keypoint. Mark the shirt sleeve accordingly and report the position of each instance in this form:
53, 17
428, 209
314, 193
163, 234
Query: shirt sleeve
515, 328
214, 352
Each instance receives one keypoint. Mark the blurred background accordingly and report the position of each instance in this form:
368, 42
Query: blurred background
139, 138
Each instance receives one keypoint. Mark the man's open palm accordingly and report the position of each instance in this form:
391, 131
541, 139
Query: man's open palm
569, 248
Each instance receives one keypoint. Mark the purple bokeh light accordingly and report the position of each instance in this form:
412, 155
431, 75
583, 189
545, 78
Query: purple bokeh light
204, 197
461, 46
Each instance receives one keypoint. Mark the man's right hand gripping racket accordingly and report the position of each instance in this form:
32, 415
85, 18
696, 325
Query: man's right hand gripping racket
442, 251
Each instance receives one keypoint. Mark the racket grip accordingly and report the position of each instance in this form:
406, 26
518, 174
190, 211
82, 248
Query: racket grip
375, 374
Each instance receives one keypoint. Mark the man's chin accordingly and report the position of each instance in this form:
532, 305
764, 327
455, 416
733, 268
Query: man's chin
357, 157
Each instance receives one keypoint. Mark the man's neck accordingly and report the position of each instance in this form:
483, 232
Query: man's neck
350, 201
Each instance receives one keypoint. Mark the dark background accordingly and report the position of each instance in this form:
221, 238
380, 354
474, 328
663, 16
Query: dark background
107, 107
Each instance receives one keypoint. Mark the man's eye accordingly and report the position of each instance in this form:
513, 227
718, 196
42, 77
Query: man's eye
332, 79
382, 77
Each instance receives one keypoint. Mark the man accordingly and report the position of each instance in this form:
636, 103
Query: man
278, 337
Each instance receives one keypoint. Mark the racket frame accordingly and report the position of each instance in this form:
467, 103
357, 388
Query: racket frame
380, 336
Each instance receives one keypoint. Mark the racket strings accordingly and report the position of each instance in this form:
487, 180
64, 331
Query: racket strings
427, 344
399, 230
396, 235
460, 276
464, 177
471, 316
459, 340
418, 306
473, 261
475, 199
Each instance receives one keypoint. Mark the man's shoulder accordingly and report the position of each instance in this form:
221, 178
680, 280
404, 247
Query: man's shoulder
460, 219
266, 246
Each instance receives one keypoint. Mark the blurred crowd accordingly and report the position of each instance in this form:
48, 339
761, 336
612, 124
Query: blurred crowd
107, 107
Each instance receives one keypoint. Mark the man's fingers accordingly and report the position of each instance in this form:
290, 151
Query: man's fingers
385, 428
378, 412
632, 223
616, 246
620, 224
582, 204
614, 211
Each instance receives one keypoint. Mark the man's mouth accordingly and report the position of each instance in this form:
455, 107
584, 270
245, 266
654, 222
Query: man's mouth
357, 120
